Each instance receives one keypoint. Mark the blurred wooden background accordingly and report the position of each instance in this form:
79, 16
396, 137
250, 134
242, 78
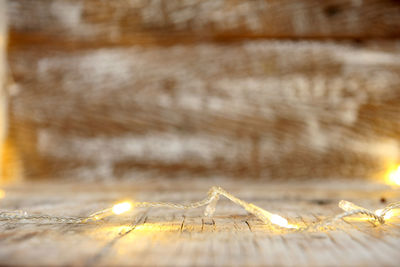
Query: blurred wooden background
262, 89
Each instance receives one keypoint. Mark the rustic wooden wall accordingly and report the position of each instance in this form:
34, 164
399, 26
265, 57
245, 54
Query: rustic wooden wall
270, 89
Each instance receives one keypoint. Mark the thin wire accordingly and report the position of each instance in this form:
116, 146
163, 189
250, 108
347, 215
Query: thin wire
212, 197
42, 217
366, 212
210, 202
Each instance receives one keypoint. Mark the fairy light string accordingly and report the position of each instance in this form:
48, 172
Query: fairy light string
210, 202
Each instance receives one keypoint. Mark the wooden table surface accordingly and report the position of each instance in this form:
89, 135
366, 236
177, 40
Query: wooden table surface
168, 237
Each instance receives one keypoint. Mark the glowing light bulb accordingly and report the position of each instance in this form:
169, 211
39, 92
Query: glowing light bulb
267, 216
379, 212
394, 176
2, 194
279, 220
121, 207
388, 214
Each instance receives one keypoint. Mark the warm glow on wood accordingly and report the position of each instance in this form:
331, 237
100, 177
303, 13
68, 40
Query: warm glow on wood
393, 176
10, 162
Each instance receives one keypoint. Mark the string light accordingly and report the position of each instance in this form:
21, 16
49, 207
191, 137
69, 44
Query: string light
381, 214
210, 203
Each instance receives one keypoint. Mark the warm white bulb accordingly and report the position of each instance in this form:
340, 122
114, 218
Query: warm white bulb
394, 176
267, 216
279, 220
379, 212
121, 208
387, 216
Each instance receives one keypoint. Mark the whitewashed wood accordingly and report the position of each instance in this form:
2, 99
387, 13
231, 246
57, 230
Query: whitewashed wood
121, 89
270, 109
166, 237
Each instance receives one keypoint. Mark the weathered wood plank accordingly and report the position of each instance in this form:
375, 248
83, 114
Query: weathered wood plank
111, 89
72, 23
258, 108
166, 237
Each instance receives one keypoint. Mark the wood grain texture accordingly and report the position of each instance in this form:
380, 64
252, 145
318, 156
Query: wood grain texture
114, 89
260, 109
73, 23
166, 237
